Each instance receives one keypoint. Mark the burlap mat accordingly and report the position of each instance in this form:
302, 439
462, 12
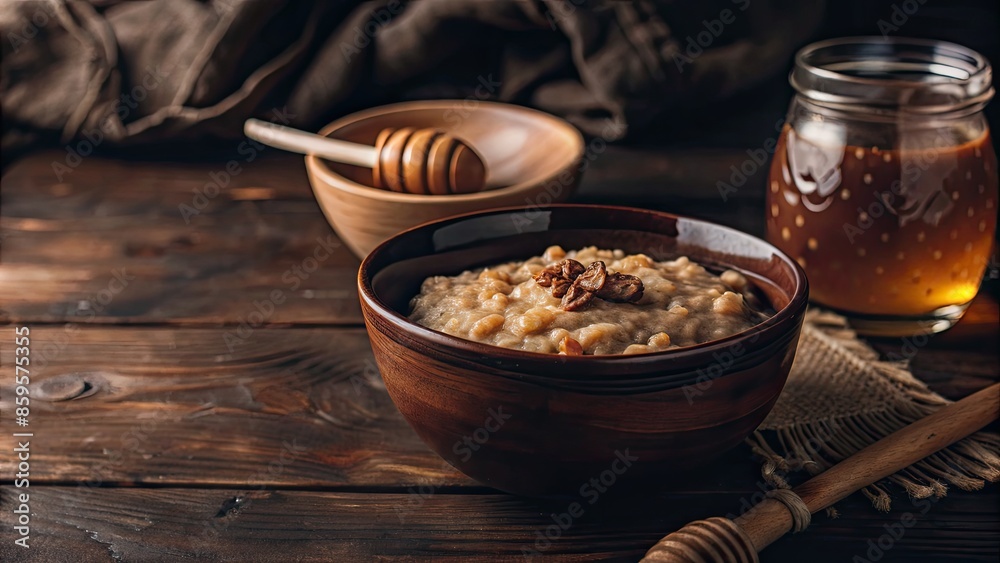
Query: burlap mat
840, 398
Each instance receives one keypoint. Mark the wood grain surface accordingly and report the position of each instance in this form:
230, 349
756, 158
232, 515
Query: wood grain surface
208, 263
165, 430
169, 524
175, 406
63, 239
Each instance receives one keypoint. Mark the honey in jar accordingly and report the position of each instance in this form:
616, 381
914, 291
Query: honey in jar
884, 181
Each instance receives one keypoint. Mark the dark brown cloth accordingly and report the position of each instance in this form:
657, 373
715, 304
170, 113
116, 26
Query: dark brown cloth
126, 73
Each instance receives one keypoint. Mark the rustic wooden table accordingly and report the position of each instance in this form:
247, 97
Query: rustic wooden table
175, 414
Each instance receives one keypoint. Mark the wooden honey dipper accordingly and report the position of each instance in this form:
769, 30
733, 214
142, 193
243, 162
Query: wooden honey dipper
408, 160
721, 540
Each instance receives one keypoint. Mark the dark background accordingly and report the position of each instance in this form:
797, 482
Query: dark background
743, 120
749, 118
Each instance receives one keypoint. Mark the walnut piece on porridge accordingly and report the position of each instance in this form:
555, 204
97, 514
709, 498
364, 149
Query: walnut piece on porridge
593, 278
589, 301
560, 276
565, 269
621, 288
577, 285
576, 297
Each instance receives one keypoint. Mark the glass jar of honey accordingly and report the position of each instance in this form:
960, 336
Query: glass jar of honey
884, 180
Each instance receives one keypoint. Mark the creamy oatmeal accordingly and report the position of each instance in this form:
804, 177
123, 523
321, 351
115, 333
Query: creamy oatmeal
589, 301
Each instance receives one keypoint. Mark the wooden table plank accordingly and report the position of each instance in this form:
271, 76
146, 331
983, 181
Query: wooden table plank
111, 243
171, 524
177, 406
212, 418
62, 240
198, 259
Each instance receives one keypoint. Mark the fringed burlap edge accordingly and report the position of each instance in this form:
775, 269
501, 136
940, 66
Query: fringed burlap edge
816, 446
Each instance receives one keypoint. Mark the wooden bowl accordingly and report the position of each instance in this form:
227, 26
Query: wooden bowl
540, 424
532, 159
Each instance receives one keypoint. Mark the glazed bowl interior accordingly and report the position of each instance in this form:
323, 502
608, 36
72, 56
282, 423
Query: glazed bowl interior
392, 274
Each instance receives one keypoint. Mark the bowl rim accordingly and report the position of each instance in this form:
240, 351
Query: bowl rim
795, 307
332, 179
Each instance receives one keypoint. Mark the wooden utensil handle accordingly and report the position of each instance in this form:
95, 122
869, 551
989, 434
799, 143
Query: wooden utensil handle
742, 538
282, 137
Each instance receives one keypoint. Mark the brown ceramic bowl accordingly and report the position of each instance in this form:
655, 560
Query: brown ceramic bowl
539, 424
532, 159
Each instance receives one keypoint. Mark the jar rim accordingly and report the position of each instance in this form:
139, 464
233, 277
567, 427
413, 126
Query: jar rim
892, 75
